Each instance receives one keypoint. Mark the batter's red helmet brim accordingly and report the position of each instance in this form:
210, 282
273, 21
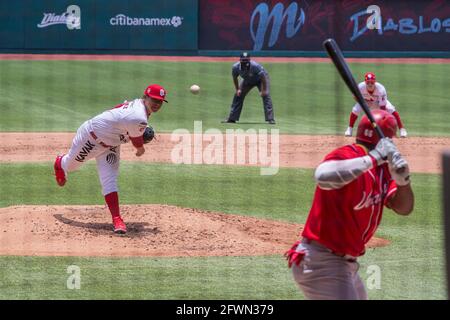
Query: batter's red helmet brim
386, 121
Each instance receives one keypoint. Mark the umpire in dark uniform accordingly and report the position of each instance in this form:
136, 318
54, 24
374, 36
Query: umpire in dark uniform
253, 75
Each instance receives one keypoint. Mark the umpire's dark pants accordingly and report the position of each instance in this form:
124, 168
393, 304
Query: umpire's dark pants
238, 101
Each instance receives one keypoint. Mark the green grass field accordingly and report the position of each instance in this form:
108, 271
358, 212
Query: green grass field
412, 266
308, 98
59, 96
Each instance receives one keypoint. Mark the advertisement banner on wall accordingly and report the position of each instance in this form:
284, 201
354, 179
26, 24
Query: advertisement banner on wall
162, 25
401, 25
58, 24
99, 24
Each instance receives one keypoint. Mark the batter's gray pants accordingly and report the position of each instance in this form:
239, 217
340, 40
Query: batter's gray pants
322, 275
238, 101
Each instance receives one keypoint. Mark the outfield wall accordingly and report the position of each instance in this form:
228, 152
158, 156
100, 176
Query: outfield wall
98, 25
404, 25
215, 27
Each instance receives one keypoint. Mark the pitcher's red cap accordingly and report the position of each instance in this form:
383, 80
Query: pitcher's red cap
156, 91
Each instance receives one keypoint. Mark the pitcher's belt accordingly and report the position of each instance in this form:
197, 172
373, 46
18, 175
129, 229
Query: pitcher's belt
99, 142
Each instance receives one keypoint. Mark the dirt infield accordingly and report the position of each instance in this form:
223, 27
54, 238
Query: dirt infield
154, 230
302, 151
161, 230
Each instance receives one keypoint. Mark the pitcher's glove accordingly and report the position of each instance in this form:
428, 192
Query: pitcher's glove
149, 134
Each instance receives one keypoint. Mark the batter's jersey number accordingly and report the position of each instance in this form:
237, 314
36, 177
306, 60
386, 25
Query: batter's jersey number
368, 133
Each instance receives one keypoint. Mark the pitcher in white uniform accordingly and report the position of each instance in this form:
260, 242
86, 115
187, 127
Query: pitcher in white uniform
376, 97
101, 137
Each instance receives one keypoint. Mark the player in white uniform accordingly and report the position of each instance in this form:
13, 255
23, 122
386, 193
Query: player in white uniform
101, 137
376, 97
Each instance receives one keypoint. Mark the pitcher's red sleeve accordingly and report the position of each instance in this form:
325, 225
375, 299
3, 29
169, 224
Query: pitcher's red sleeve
137, 141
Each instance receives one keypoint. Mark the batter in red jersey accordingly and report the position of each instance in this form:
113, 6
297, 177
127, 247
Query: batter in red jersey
376, 98
354, 183
101, 137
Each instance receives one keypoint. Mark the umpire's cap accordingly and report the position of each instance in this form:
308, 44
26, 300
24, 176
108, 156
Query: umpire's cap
244, 56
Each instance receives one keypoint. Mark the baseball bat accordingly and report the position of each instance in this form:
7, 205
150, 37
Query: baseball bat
338, 59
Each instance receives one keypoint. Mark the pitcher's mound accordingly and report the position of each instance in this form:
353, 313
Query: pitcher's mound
153, 230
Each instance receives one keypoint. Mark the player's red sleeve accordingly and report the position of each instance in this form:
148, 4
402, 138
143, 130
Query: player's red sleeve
137, 141
391, 191
119, 106
397, 117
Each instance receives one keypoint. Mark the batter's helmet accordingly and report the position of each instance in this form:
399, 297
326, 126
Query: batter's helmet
370, 77
384, 120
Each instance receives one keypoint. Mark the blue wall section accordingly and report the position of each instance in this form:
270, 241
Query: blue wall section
103, 25
12, 20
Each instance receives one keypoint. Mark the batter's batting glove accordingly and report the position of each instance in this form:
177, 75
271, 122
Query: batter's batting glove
293, 256
399, 169
384, 150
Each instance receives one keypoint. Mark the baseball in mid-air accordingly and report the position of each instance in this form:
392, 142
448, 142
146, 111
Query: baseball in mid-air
195, 89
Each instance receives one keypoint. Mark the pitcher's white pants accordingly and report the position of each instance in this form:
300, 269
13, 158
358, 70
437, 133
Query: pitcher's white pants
85, 147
